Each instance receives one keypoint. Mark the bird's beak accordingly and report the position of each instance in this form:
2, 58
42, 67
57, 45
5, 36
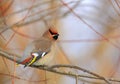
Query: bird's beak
33, 60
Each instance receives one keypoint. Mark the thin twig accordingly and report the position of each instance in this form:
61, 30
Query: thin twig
89, 26
76, 79
10, 56
81, 69
39, 18
74, 6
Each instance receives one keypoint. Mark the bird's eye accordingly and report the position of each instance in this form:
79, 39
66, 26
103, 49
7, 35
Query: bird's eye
55, 37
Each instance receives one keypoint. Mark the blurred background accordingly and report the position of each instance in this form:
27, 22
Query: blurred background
89, 38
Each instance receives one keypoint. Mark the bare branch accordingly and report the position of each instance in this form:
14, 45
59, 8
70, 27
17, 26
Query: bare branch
33, 20
52, 68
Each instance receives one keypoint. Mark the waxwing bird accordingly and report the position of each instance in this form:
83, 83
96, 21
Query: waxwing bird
40, 51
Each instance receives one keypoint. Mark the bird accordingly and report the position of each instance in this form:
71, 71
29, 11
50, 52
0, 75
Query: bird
40, 51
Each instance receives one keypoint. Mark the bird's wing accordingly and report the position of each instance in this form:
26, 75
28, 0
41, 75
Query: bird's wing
27, 60
43, 44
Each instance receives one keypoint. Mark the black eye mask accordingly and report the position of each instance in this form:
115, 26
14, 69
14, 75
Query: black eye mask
55, 37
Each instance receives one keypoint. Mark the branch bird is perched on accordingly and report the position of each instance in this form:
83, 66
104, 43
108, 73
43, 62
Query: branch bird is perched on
40, 51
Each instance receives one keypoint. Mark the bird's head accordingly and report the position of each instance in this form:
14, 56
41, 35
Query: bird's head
52, 34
